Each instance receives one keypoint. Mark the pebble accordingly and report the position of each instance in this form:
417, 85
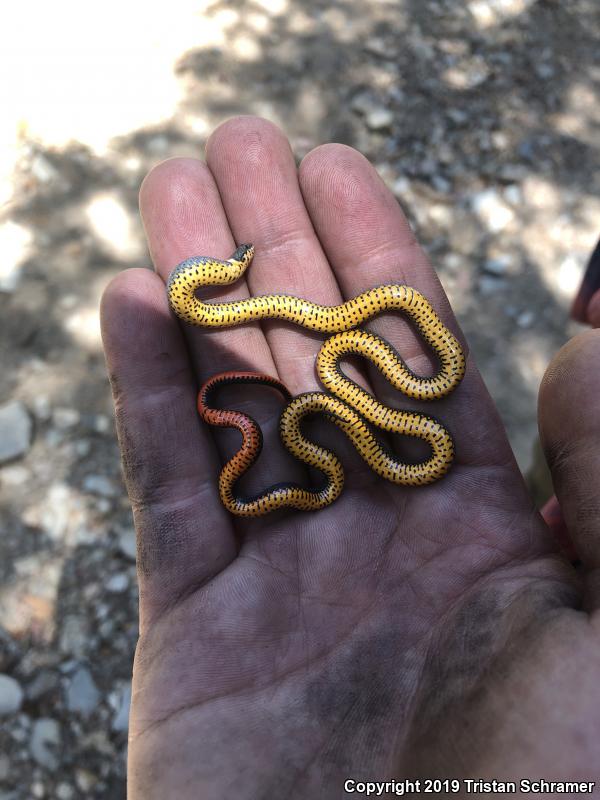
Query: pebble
457, 116
11, 695
488, 285
158, 145
64, 791
101, 423
60, 509
513, 195
43, 683
4, 767
15, 475
363, 102
378, 46
401, 186
15, 431
379, 119
65, 418
41, 407
121, 701
454, 262
83, 448
526, 319
492, 209
85, 780
74, 636
45, 742
440, 184
99, 484
127, 543
117, 583
497, 266
82, 694
43, 170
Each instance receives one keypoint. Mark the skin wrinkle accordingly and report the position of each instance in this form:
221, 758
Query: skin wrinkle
324, 655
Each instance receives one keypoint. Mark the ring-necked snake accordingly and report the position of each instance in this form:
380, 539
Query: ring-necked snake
349, 406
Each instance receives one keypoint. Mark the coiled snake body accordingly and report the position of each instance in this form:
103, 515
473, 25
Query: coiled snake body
349, 406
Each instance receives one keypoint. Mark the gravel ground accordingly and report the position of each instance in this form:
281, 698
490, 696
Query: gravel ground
482, 116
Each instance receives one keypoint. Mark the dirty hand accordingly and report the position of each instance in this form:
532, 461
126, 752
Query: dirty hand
400, 632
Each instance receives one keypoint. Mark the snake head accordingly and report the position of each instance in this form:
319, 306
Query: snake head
244, 254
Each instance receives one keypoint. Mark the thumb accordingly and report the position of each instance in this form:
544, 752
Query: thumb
569, 421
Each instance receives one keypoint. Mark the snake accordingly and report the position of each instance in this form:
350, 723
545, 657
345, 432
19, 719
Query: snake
350, 407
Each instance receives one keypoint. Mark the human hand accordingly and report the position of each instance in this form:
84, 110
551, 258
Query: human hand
400, 632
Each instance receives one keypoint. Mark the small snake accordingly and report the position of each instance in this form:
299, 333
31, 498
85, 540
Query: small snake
349, 406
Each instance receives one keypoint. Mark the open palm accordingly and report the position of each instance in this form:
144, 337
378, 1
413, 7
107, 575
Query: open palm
400, 632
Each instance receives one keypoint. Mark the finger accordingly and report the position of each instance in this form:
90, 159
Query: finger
183, 216
369, 242
569, 419
257, 177
184, 535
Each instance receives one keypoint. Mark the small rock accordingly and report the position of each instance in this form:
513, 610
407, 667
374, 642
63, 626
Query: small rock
15, 431
488, 285
457, 116
37, 790
512, 172
158, 145
15, 475
99, 484
363, 102
513, 195
526, 319
401, 186
42, 169
15, 246
441, 214
127, 543
45, 742
378, 47
64, 418
101, 423
43, 683
74, 636
121, 702
492, 210
379, 119
117, 583
103, 505
454, 262
42, 408
85, 780
64, 791
544, 71
440, 184
11, 695
82, 695
83, 448
4, 767
497, 266
58, 513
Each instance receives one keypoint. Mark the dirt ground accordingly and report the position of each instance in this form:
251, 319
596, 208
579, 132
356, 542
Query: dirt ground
482, 117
